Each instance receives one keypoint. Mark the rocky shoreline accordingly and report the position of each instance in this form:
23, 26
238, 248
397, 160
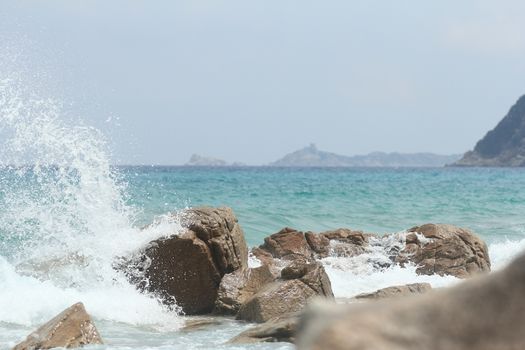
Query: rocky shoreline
205, 270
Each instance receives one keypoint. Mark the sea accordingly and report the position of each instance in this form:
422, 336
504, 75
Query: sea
67, 212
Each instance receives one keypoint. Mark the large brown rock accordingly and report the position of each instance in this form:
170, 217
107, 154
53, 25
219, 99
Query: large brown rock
187, 268
288, 294
483, 313
445, 250
238, 286
71, 328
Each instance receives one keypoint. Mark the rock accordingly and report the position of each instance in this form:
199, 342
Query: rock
287, 295
220, 230
317, 279
71, 328
281, 329
318, 243
482, 313
347, 236
504, 145
445, 250
276, 299
187, 268
238, 286
344, 242
198, 324
396, 291
287, 244
290, 244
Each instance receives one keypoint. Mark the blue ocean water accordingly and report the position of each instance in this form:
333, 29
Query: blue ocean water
490, 201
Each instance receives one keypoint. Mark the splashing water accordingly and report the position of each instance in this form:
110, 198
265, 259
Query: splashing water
64, 218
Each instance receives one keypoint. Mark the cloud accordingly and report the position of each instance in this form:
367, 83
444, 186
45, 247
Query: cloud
488, 28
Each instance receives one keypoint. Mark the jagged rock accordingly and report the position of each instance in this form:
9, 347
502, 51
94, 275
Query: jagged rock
71, 328
291, 244
482, 313
280, 329
445, 250
318, 243
396, 291
238, 286
502, 146
287, 244
187, 268
287, 295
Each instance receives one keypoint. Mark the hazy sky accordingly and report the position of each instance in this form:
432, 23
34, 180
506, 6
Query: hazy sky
251, 80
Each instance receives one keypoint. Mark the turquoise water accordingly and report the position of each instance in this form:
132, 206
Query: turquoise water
490, 201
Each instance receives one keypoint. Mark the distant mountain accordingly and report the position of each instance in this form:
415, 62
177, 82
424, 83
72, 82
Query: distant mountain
312, 157
198, 160
502, 146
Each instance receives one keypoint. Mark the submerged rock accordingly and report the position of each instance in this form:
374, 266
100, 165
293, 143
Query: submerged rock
288, 294
187, 268
71, 328
280, 329
445, 250
396, 291
482, 313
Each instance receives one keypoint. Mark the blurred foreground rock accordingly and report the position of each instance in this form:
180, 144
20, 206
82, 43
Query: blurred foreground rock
483, 313
72, 328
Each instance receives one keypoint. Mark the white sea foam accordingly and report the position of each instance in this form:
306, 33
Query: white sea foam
64, 219
364, 273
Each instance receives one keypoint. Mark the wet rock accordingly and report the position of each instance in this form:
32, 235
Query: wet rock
287, 295
396, 291
238, 286
71, 328
281, 329
198, 324
347, 236
482, 313
445, 250
287, 244
187, 268
318, 243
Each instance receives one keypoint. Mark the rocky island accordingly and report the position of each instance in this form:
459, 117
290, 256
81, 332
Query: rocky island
504, 146
311, 156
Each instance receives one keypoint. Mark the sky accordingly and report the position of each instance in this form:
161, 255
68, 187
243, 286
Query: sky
250, 81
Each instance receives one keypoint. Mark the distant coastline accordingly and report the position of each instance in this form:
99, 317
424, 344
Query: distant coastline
311, 156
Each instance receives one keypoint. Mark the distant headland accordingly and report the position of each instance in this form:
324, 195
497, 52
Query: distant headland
504, 146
